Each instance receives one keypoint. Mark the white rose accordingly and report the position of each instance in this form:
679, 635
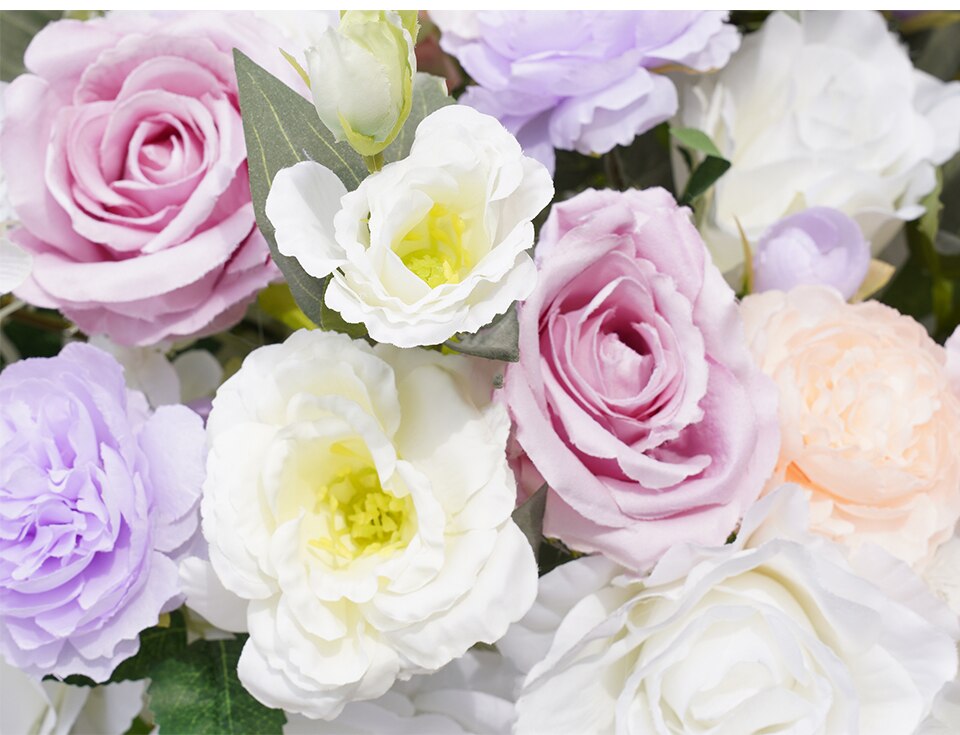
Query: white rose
359, 498
474, 694
32, 707
431, 245
945, 717
824, 111
776, 632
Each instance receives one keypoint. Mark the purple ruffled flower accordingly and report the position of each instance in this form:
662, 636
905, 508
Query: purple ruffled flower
581, 80
818, 246
97, 495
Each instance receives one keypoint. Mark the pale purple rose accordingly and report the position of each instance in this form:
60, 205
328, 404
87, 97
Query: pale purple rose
635, 395
581, 80
98, 496
126, 166
819, 246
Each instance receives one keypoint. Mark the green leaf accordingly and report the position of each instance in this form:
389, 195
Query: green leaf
429, 95
697, 140
139, 726
156, 644
17, 29
947, 247
939, 258
941, 52
281, 128
646, 161
909, 291
529, 517
703, 177
199, 693
496, 341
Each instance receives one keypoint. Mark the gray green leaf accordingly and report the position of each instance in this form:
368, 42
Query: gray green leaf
697, 140
17, 29
199, 693
281, 128
496, 341
529, 517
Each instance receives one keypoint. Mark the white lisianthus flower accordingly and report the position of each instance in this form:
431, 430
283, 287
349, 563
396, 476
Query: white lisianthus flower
776, 632
359, 499
829, 111
473, 694
433, 244
361, 76
32, 707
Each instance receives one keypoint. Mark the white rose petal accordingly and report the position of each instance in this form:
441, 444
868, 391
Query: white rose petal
199, 374
776, 632
838, 117
359, 500
473, 694
32, 707
15, 265
431, 245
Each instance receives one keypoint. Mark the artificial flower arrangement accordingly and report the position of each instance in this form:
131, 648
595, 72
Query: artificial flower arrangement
603, 384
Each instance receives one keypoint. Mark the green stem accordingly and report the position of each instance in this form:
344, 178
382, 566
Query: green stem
374, 162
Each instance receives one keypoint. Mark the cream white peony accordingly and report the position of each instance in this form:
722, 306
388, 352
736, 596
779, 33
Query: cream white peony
824, 111
359, 499
429, 246
473, 694
776, 632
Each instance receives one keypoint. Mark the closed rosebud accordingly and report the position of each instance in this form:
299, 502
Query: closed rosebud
818, 246
361, 76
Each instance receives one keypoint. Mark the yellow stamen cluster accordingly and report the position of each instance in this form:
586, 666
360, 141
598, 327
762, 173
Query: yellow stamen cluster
433, 250
361, 517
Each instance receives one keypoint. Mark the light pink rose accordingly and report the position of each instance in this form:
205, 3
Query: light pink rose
127, 170
635, 396
869, 425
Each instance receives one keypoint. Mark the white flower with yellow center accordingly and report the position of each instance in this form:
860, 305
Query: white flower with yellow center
429, 246
359, 499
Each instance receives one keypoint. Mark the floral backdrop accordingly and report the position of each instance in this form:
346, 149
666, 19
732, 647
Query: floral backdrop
479, 371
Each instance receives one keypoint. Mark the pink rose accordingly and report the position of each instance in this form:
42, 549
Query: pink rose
635, 396
127, 170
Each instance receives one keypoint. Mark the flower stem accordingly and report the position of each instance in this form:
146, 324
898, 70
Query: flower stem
374, 162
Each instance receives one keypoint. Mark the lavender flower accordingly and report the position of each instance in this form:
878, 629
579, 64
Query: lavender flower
96, 496
818, 246
581, 80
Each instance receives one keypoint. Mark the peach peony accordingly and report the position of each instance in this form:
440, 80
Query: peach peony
870, 425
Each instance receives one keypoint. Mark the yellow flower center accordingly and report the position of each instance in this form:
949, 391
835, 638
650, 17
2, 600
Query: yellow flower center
434, 250
360, 517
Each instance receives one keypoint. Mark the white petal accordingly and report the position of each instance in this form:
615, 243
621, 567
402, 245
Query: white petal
301, 204
15, 265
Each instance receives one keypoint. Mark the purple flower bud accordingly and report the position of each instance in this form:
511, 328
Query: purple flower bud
820, 246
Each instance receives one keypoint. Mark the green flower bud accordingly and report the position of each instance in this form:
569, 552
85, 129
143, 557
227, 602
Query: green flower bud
361, 76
